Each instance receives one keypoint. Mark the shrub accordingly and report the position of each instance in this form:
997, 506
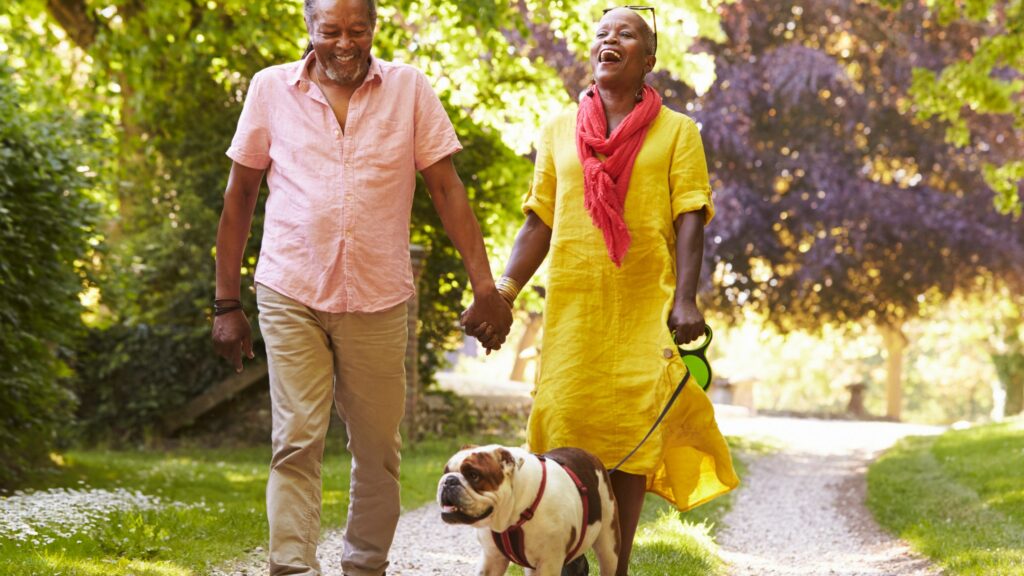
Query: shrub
46, 220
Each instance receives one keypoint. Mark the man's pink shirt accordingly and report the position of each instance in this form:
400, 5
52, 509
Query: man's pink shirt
336, 231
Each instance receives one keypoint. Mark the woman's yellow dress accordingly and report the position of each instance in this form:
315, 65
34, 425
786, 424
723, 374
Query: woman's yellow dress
608, 363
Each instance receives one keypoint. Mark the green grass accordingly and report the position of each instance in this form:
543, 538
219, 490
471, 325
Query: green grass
175, 541
958, 498
231, 483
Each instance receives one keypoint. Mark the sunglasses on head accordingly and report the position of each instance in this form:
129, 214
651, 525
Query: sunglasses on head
654, 20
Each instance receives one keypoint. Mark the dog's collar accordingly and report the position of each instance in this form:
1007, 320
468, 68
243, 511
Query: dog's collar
512, 542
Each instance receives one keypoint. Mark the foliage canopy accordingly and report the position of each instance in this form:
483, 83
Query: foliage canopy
854, 147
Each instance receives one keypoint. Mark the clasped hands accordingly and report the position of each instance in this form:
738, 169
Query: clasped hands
488, 319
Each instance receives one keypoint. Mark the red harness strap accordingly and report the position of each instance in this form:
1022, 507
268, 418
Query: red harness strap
586, 511
512, 542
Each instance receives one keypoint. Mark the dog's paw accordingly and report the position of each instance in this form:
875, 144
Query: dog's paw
578, 567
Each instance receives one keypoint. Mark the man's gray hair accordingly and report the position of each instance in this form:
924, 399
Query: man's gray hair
309, 7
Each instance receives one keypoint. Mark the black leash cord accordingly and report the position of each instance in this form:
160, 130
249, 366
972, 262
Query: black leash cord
656, 422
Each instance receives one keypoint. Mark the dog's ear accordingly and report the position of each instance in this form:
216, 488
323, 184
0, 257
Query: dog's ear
507, 459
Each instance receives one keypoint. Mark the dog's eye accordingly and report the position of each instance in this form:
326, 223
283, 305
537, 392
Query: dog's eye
472, 475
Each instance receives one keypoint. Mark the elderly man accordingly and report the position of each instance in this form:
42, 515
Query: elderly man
340, 135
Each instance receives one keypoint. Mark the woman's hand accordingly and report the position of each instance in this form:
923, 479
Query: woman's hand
686, 321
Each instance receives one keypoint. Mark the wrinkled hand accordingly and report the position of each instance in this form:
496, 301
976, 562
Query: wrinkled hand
232, 337
686, 322
488, 319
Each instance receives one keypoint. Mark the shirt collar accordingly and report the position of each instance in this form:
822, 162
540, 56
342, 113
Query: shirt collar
301, 72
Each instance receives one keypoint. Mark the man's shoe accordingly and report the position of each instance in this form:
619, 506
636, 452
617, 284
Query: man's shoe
578, 567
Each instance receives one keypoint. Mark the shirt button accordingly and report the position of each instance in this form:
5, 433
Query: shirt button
667, 352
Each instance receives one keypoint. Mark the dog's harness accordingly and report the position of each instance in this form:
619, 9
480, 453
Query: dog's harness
512, 542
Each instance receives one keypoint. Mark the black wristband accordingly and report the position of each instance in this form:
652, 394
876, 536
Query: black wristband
221, 310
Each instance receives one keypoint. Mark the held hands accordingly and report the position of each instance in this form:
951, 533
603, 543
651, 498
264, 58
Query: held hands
232, 337
686, 321
488, 319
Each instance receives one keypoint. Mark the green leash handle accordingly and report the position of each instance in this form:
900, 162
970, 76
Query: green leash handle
696, 359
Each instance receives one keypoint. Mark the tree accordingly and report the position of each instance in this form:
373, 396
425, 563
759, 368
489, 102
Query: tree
837, 204
980, 94
843, 205
1007, 349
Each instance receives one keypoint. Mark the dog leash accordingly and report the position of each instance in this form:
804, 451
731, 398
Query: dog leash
697, 365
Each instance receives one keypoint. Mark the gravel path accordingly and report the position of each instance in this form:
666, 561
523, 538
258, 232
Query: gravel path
424, 546
801, 510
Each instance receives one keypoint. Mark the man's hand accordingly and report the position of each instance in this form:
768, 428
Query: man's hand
686, 321
488, 319
232, 337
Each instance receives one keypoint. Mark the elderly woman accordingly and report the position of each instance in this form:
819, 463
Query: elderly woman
620, 196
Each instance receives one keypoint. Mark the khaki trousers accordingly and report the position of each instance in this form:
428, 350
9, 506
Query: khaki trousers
358, 361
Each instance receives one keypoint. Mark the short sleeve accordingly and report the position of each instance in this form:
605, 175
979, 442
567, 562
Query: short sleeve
689, 185
251, 144
435, 137
541, 198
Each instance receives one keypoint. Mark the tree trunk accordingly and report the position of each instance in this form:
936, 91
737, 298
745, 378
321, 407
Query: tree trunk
214, 396
528, 338
82, 26
131, 163
1010, 369
74, 17
895, 345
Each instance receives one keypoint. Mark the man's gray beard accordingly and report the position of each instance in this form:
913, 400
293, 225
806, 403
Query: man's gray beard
342, 78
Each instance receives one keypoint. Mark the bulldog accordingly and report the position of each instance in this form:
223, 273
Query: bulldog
539, 511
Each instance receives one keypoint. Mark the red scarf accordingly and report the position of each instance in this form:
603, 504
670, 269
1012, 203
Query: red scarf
605, 183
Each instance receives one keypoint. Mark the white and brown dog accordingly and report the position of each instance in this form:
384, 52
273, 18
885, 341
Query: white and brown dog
539, 511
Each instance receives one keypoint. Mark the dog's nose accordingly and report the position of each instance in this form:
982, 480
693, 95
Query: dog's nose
452, 482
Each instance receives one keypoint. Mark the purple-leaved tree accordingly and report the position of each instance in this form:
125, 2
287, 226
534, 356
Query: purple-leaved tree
836, 203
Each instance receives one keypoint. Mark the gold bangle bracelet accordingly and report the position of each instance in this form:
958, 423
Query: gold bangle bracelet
509, 284
506, 295
505, 279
